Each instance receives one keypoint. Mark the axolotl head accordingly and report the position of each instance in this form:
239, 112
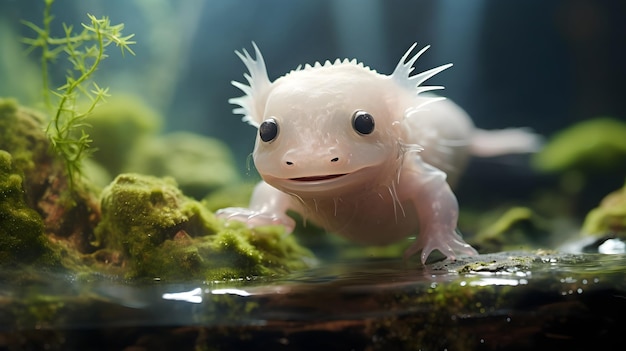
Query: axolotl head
330, 129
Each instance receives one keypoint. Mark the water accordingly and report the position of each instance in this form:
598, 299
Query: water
533, 301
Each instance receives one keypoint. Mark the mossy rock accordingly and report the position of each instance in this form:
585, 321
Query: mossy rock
609, 218
22, 238
508, 228
595, 145
117, 127
21, 134
199, 164
126, 140
163, 234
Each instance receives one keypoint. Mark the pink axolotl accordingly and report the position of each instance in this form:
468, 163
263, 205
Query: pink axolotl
364, 155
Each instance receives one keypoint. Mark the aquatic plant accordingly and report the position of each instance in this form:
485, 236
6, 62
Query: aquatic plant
84, 51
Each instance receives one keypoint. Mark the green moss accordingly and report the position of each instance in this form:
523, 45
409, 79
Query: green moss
598, 144
161, 233
135, 203
42, 211
609, 217
21, 228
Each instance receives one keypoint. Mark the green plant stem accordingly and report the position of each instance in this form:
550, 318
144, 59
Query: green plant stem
84, 51
82, 78
45, 52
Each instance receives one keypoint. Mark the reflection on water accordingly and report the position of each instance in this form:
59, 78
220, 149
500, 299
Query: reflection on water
376, 288
503, 301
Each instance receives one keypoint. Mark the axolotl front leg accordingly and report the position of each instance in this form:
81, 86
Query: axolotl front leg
437, 210
268, 206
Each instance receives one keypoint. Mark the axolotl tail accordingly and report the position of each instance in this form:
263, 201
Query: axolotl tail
489, 143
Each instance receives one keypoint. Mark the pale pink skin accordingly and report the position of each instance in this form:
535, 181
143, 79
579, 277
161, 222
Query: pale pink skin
393, 182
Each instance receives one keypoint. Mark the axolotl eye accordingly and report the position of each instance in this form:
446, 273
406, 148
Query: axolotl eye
362, 122
268, 130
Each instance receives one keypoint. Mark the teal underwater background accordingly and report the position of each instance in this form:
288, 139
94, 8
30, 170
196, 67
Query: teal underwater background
539, 64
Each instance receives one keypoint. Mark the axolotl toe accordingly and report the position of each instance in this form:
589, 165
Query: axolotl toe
364, 155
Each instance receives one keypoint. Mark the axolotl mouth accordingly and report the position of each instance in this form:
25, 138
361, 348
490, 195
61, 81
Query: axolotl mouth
318, 178
323, 184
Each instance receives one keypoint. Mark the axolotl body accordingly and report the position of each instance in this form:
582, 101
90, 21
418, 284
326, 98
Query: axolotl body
364, 155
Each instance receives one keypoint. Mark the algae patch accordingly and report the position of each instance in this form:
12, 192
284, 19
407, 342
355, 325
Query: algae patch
163, 234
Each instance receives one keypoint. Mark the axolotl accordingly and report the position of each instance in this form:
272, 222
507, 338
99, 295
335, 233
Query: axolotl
367, 156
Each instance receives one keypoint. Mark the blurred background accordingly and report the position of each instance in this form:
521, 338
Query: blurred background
541, 64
